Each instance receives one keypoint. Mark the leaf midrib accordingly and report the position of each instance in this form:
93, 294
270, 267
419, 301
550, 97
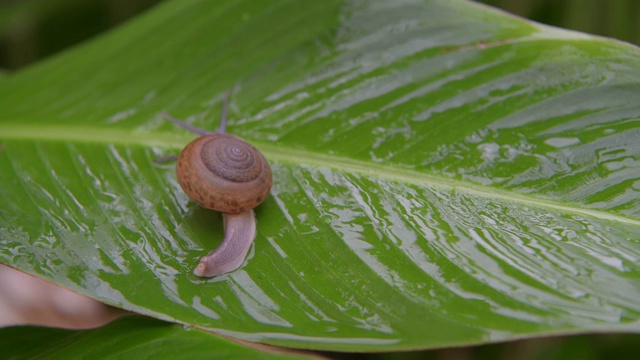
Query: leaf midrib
299, 157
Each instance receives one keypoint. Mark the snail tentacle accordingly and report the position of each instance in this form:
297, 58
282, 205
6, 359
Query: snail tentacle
186, 126
164, 159
222, 128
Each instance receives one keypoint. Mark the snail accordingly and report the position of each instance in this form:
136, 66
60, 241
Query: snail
224, 173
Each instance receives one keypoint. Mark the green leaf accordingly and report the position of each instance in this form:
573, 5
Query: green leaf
444, 174
125, 338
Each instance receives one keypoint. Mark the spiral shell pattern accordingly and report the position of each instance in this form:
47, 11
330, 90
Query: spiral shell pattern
224, 173
230, 159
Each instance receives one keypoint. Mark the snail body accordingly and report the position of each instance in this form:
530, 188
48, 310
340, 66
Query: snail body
224, 173
239, 232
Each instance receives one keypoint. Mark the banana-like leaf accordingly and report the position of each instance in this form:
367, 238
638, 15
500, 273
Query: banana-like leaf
126, 338
444, 174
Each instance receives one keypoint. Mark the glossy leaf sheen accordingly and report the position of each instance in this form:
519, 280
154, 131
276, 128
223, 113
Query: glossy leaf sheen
443, 173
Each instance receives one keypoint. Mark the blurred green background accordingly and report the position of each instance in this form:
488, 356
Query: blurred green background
611, 18
33, 29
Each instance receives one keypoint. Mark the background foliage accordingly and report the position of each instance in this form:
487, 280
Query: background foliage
32, 29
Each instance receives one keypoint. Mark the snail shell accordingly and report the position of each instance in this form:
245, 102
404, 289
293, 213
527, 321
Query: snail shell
223, 172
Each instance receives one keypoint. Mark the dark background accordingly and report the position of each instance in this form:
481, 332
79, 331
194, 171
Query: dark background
33, 29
